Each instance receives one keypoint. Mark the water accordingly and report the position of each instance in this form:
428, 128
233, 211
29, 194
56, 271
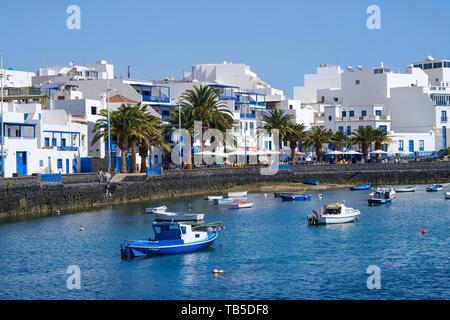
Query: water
267, 252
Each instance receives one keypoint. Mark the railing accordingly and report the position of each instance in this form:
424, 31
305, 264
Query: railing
248, 115
224, 97
67, 148
162, 99
50, 178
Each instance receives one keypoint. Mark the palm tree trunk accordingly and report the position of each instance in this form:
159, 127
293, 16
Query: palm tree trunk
123, 159
318, 154
133, 157
336, 157
293, 155
143, 153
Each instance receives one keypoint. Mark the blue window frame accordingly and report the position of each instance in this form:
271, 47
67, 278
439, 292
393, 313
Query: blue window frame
363, 113
59, 163
352, 113
54, 142
349, 130
344, 114
63, 142
41, 163
383, 128
378, 113
401, 146
421, 145
443, 116
47, 142
411, 146
444, 137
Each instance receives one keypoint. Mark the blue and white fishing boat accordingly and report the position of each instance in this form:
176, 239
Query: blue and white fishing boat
361, 187
435, 188
223, 201
295, 197
380, 197
172, 238
314, 182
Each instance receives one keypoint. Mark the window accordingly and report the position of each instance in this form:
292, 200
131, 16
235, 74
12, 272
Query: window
411, 145
60, 163
352, 113
378, 113
361, 127
341, 129
330, 118
401, 145
336, 99
41, 163
47, 142
270, 145
421, 145
156, 158
383, 128
363, 113
443, 116
344, 114
54, 142
93, 110
60, 98
357, 82
63, 142
349, 130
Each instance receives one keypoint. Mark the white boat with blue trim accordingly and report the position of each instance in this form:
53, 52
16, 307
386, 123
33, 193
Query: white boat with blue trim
172, 216
333, 213
172, 238
156, 209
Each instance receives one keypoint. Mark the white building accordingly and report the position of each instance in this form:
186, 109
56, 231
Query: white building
42, 141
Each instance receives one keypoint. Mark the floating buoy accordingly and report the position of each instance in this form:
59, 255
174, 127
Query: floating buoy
424, 232
81, 229
218, 271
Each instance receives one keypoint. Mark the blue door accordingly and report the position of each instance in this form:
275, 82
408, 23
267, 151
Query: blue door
74, 166
21, 163
67, 166
411, 145
444, 137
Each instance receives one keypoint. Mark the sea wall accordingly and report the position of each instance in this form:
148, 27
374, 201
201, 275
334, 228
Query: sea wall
27, 196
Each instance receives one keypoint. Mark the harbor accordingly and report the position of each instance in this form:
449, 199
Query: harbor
264, 252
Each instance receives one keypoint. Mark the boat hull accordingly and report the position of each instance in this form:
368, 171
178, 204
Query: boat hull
337, 220
161, 216
313, 182
361, 187
241, 206
407, 189
152, 249
379, 201
237, 194
295, 197
223, 201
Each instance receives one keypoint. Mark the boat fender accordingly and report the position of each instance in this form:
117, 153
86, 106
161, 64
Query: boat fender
424, 232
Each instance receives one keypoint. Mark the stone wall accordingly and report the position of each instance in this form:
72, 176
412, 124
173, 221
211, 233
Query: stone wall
26, 196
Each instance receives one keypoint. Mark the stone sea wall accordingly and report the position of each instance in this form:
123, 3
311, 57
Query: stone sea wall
26, 196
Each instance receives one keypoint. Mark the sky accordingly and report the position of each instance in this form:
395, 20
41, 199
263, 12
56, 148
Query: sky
281, 40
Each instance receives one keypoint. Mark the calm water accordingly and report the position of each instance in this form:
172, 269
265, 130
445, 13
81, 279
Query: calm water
267, 252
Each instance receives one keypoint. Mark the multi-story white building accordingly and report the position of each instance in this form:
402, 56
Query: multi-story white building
42, 141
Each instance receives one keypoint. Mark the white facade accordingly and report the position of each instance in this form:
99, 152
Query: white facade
326, 77
42, 141
17, 79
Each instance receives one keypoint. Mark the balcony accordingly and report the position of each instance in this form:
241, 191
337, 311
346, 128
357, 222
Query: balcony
73, 149
155, 99
248, 115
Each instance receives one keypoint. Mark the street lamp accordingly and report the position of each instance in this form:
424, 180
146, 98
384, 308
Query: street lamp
108, 90
179, 132
1, 106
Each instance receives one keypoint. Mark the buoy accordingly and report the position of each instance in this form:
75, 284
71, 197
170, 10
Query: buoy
424, 232
218, 271
81, 229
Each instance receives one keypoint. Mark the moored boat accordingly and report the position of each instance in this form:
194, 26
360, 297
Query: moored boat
314, 182
295, 197
241, 194
380, 197
172, 216
447, 195
241, 205
223, 201
172, 238
214, 198
333, 213
156, 209
406, 189
435, 187
392, 193
361, 187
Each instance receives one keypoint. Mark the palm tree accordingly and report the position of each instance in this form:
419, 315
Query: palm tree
363, 137
316, 138
277, 120
119, 129
380, 137
202, 103
338, 139
139, 127
295, 135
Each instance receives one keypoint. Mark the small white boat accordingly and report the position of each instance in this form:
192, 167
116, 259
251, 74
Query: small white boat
333, 213
241, 205
172, 216
406, 189
447, 195
242, 194
156, 209
223, 201
213, 198
434, 187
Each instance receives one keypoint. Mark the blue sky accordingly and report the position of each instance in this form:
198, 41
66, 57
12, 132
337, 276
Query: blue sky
280, 39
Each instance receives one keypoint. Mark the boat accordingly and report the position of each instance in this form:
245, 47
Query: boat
277, 194
406, 189
172, 238
156, 209
172, 216
295, 197
361, 187
380, 197
314, 182
333, 213
241, 205
447, 195
213, 198
389, 189
435, 187
242, 194
223, 201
